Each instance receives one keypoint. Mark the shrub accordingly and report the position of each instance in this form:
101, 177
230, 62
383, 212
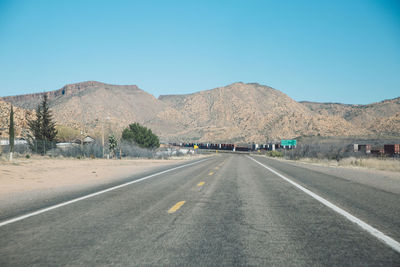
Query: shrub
141, 136
275, 154
131, 150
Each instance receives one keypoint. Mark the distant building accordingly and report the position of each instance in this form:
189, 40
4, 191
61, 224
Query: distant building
17, 141
88, 140
66, 145
76, 141
85, 141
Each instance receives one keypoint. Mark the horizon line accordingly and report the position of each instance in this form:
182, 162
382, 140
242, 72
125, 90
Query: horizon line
239, 82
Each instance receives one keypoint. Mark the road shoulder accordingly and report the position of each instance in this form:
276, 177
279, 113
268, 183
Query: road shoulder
383, 180
29, 185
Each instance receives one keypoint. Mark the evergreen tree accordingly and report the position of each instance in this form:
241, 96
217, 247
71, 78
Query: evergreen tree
140, 135
48, 128
43, 131
11, 132
34, 125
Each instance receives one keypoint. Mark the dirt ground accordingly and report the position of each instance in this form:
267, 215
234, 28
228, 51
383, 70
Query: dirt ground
25, 179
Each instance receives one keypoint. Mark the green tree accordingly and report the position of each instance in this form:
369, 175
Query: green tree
43, 130
35, 125
11, 132
140, 135
112, 144
49, 131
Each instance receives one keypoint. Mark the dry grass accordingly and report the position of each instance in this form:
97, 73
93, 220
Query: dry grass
386, 164
372, 163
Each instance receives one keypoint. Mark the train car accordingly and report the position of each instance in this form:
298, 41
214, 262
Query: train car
392, 150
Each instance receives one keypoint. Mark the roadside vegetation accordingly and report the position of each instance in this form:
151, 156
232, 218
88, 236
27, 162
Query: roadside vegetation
47, 139
385, 164
141, 136
67, 134
275, 154
42, 137
339, 152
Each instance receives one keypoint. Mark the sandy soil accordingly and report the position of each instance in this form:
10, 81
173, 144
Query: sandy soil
28, 179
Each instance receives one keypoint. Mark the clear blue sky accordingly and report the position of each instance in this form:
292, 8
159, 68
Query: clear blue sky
328, 51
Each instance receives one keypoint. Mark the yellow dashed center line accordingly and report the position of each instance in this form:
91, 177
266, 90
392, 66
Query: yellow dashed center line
216, 168
211, 173
200, 184
176, 207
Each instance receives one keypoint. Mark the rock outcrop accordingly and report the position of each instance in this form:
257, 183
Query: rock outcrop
21, 117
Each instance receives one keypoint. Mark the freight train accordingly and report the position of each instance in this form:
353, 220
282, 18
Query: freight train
230, 147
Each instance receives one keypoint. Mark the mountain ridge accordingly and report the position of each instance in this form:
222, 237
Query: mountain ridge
346, 104
238, 112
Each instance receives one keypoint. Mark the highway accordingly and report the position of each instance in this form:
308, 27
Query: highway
230, 210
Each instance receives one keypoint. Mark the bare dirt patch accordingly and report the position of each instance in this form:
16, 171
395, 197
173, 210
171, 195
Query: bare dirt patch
25, 180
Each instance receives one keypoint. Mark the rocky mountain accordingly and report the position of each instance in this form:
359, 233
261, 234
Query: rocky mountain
387, 125
252, 112
380, 117
21, 117
93, 106
235, 113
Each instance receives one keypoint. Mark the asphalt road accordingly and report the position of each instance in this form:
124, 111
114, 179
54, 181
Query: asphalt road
227, 210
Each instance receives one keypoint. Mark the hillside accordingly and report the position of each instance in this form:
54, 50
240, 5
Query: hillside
89, 106
235, 113
377, 117
21, 117
252, 112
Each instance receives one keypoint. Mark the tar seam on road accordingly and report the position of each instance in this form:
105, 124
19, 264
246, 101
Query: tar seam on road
19, 218
373, 231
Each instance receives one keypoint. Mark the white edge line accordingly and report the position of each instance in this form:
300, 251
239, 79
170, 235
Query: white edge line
373, 231
22, 217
